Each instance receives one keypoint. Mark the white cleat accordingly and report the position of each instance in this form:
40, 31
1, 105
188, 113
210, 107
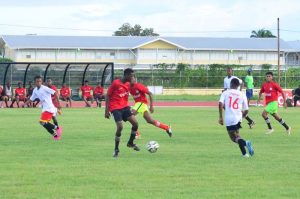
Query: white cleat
270, 131
246, 155
289, 131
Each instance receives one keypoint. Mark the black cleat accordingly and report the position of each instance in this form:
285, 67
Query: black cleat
116, 153
251, 124
134, 146
169, 132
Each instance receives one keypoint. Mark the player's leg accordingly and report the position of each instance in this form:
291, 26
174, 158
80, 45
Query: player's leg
158, 124
92, 99
127, 116
269, 109
85, 99
5, 99
51, 128
13, 102
70, 101
17, 99
119, 127
282, 122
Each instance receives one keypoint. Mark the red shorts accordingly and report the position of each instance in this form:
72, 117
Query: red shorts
87, 97
46, 116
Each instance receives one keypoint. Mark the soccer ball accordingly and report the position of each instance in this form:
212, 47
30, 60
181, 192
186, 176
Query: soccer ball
152, 146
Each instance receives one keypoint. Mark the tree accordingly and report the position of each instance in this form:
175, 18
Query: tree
127, 30
261, 33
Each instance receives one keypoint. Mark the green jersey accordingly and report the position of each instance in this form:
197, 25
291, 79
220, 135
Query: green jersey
249, 82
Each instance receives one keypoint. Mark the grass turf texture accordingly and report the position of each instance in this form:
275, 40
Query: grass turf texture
198, 162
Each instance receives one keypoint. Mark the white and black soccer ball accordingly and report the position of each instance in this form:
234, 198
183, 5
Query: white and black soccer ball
152, 146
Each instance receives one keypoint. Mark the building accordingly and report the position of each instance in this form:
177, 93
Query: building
144, 52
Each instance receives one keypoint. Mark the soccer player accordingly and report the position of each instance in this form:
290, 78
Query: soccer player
138, 92
28, 95
249, 85
20, 95
65, 94
227, 81
236, 107
48, 110
7, 93
271, 89
117, 105
86, 90
99, 94
55, 101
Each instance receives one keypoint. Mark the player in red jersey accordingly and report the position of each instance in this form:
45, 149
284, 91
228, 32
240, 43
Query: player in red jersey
99, 94
117, 105
138, 92
86, 90
65, 94
271, 90
20, 95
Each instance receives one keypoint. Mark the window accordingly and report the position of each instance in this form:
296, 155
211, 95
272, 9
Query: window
28, 56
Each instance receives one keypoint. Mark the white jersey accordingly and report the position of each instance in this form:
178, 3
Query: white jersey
8, 91
234, 102
227, 81
44, 94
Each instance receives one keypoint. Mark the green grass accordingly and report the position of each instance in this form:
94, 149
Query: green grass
180, 98
198, 162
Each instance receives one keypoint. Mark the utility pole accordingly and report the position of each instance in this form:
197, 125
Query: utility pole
278, 51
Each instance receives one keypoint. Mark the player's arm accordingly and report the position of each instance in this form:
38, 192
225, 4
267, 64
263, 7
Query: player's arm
221, 121
245, 105
151, 108
56, 95
283, 95
107, 114
30, 100
259, 95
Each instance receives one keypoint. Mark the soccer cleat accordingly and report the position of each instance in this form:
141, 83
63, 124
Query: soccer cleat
251, 124
246, 155
250, 148
134, 146
138, 135
59, 131
289, 131
169, 131
269, 131
116, 153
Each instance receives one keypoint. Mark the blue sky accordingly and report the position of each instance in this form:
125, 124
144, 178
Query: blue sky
214, 18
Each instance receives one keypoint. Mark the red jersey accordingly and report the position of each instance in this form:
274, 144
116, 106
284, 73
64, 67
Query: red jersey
86, 90
65, 91
98, 90
54, 101
118, 93
20, 92
271, 90
138, 92
1, 90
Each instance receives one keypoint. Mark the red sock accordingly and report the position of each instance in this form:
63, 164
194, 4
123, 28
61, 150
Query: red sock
161, 125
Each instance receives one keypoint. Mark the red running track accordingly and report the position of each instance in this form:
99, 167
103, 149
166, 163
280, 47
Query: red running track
78, 104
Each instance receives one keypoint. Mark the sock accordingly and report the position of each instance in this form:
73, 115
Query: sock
250, 121
50, 128
268, 123
117, 142
161, 125
282, 122
242, 143
132, 137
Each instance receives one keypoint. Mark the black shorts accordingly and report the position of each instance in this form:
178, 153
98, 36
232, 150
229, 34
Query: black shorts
235, 127
122, 114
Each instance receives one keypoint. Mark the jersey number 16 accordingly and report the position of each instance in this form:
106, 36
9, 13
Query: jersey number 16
234, 104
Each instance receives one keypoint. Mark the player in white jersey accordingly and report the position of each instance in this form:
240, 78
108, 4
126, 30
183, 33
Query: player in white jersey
227, 81
48, 110
236, 107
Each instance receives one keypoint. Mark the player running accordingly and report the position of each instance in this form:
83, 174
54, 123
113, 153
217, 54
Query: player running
55, 101
236, 107
138, 92
48, 110
117, 105
271, 89
227, 84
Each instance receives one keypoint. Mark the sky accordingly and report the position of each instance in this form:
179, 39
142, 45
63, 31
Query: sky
186, 18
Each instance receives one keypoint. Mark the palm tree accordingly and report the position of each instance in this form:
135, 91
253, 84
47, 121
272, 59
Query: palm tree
261, 33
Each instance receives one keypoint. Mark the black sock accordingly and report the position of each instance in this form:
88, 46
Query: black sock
282, 122
242, 144
268, 123
50, 128
117, 142
132, 137
250, 121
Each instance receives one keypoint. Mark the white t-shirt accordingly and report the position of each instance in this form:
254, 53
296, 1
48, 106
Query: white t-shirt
44, 94
227, 81
234, 102
8, 91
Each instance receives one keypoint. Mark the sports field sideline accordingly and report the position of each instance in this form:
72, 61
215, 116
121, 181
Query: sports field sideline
199, 161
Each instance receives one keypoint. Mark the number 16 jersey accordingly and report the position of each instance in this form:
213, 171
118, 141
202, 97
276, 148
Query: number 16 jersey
234, 102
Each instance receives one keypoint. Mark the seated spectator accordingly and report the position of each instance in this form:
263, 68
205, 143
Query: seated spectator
99, 94
28, 95
20, 95
65, 95
86, 90
296, 96
7, 93
50, 84
1, 95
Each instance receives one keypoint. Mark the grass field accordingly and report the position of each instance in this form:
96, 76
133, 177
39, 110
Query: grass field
198, 162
